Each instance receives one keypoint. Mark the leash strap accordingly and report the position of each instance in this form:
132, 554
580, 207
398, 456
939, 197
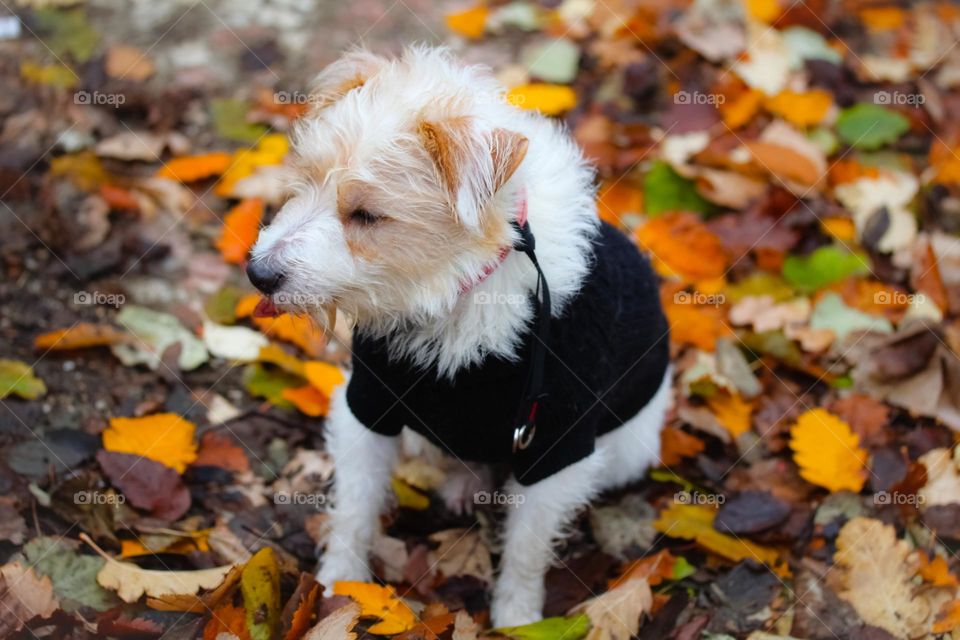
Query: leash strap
533, 388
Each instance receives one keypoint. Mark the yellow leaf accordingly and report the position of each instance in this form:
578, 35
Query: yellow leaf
731, 411
549, 99
379, 602
308, 399
840, 228
763, 10
273, 354
260, 586
51, 75
695, 522
164, 437
882, 18
408, 497
741, 109
241, 226
827, 451
198, 167
298, 330
80, 335
246, 305
470, 23
271, 150
802, 109
324, 376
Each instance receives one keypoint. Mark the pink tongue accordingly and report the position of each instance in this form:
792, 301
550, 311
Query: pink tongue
265, 309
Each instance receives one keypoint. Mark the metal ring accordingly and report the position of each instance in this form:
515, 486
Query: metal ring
522, 437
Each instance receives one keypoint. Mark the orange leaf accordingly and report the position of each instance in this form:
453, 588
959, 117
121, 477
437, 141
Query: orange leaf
241, 226
731, 411
784, 162
802, 109
308, 399
842, 229
675, 445
275, 355
653, 568
219, 450
193, 168
739, 110
681, 245
323, 376
828, 452
304, 613
246, 305
936, 571
379, 602
79, 336
429, 629
549, 99
470, 23
164, 437
227, 619
763, 10
882, 18
298, 330
844, 171
615, 199
695, 325
118, 199
948, 618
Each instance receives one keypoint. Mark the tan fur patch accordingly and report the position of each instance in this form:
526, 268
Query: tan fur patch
508, 149
445, 142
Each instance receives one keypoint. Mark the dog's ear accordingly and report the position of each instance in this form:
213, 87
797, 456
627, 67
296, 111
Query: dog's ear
472, 164
350, 72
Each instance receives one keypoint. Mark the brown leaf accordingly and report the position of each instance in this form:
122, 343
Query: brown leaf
146, 483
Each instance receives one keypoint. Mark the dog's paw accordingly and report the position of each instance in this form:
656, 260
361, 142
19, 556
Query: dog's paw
464, 487
516, 602
341, 567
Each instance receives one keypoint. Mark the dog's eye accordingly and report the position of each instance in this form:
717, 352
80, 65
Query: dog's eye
364, 217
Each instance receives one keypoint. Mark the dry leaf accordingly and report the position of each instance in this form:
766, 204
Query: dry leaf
193, 168
470, 23
731, 411
338, 625
615, 615
241, 226
379, 602
801, 109
682, 246
325, 377
308, 400
548, 99
828, 452
164, 437
675, 445
23, 596
80, 336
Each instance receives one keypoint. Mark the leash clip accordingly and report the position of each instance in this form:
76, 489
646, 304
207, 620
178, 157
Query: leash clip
523, 436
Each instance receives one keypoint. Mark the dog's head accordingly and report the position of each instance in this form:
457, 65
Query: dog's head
400, 167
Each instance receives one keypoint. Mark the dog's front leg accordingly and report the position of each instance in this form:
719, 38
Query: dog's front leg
364, 463
537, 516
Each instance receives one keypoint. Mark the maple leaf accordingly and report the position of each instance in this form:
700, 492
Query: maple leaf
164, 437
828, 452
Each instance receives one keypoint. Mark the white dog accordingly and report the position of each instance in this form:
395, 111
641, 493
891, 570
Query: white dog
495, 315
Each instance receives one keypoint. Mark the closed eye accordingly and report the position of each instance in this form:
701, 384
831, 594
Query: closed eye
365, 218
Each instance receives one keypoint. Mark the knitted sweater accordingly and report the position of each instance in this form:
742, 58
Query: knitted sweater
608, 352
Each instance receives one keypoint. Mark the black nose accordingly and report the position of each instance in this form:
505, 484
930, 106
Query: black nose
263, 277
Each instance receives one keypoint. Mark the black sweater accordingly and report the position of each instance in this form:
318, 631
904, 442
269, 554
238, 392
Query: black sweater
607, 355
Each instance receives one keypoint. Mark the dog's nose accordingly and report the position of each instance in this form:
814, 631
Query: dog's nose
263, 277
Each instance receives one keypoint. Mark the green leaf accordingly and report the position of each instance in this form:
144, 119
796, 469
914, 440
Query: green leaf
17, 378
221, 306
823, 267
270, 383
666, 190
74, 576
552, 60
156, 332
682, 569
870, 126
260, 585
831, 313
230, 120
773, 343
760, 283
68, 33
550, 629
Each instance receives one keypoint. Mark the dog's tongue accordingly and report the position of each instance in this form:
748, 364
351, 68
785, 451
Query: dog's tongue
265, 309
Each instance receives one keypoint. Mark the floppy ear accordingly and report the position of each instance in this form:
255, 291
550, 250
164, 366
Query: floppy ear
346, 74
472, 164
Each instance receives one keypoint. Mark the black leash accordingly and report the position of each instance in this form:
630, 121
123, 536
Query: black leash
533, 388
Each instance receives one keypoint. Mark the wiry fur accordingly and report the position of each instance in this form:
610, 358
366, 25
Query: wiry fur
374, 139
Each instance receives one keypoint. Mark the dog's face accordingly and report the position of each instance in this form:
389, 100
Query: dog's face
399, 164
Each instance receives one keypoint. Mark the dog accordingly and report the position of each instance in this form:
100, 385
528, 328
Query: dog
495, 314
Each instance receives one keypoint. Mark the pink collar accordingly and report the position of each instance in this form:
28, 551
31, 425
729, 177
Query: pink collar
521, 219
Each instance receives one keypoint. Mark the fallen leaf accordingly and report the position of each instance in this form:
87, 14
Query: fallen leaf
655, 569
155, 332
408, 497
164, 437
470, 23
307, 399
24, 596
549, 99
801, 109
870, 126
828, 452
570, 628
731, 411
220, 450
198, 167
127, 62
665, 190
823, 267
379, 602
681, 245
325, 377
226, 619
615, 615
260, 585
80, 336
73, 576
241, 226
239, 344
461, 552
675, 445
695, 522
18, 378
338, 625
147, 484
